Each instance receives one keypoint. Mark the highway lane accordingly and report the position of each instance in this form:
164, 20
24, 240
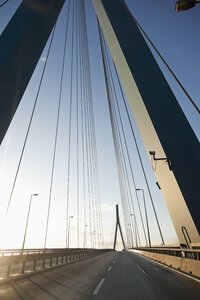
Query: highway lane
110, 276
133, 277
71, 282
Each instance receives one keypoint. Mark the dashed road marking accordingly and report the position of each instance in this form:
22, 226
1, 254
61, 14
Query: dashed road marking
109, 268
168, 267
98, 286
142, 270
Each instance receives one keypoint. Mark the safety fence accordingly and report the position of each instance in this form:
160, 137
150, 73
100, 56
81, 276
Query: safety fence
178, 252
11, 252
15, 262
184, 260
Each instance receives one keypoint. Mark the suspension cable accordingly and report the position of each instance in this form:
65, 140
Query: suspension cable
92, 142
30, 121
70, 128
161, 57
121, 153
57, 126
126, 147
115, 131
82, 135
77, 122
140, 158
93, 190
2, 4
86, 124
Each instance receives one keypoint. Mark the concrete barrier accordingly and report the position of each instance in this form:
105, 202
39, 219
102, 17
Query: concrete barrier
188, 266
10, 265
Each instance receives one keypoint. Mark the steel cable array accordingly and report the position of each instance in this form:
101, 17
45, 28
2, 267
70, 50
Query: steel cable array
90, 151
117, 145
162, 58
116, 124
57, 124
80, 98
30, 122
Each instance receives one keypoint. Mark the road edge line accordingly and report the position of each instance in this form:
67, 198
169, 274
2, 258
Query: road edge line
168, 267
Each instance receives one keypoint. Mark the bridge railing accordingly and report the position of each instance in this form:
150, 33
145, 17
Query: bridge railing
178, 252
184, 260
15, 262
11, 252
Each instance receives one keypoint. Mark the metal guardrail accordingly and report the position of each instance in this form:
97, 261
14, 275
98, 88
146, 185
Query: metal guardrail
178, 252
16, 262
10, 252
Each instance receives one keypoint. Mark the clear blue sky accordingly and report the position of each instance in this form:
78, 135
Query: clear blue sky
176, 35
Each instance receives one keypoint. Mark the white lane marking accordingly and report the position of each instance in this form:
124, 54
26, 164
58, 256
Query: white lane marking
98, 287
114, 261
167, 267
142, 270
109, 268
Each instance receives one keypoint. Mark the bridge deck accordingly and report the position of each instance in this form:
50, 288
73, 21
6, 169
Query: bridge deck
114, 275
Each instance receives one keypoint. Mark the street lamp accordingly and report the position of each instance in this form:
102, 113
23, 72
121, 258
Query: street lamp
71, 217
145, 208
185, 4
85, 237
27, 220
94, 239
131, 234
136, 241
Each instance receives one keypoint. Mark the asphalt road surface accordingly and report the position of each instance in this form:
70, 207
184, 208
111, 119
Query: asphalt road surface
110, 276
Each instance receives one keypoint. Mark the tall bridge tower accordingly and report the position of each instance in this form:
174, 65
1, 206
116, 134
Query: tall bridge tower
164, 129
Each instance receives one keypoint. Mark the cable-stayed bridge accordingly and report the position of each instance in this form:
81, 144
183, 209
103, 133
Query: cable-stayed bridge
82, 88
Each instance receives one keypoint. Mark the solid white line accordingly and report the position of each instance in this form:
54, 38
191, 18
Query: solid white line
98, 287
109, 268
142, 270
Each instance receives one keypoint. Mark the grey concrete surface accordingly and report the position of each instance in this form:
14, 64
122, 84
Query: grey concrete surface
71, 282
133, 277
110, 276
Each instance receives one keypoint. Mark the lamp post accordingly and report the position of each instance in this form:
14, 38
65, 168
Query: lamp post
185, 5
27, 221
145, 208
85, 237
71, 217
136, 241
94, 239
131, 234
